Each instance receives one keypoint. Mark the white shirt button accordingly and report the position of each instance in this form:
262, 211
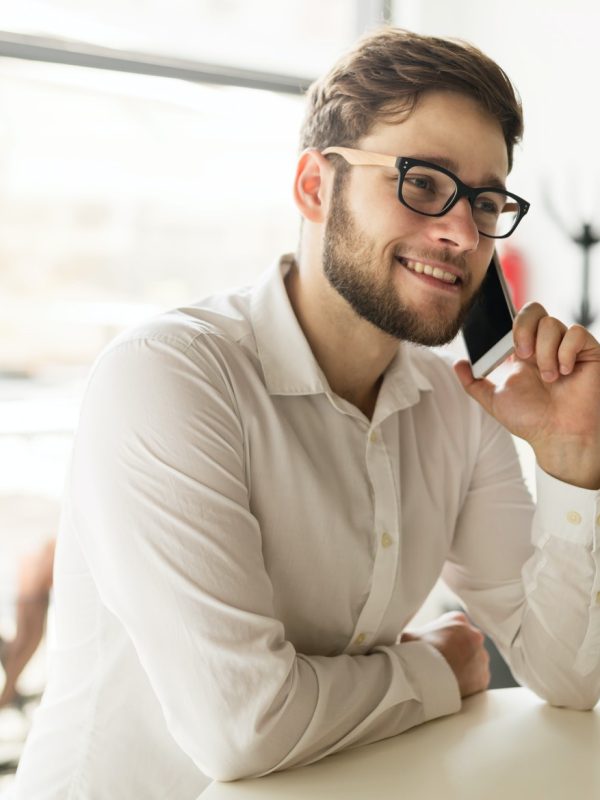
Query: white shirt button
360, 639
386, 540
574, 517
374, 437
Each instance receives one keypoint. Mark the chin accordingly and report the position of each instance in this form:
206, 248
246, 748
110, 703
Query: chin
430, 330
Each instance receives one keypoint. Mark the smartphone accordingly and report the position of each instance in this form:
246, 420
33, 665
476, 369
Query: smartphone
487, 330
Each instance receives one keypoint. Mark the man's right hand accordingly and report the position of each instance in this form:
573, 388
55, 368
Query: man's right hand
461, 644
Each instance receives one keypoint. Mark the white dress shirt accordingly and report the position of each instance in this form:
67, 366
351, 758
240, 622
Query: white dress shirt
240, 549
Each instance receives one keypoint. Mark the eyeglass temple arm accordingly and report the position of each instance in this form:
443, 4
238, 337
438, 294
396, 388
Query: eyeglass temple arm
361, 158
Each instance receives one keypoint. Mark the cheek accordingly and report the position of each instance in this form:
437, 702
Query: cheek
383, 219
374, 204
480, 262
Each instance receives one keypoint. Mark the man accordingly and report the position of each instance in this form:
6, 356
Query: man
266, 486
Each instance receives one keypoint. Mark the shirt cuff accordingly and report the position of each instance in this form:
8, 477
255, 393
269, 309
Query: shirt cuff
432, 678
566, 511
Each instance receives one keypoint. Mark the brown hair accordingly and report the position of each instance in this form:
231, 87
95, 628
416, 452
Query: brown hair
384, 75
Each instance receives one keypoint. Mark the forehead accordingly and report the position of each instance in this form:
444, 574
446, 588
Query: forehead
449, 126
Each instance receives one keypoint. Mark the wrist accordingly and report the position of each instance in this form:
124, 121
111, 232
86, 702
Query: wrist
576, 464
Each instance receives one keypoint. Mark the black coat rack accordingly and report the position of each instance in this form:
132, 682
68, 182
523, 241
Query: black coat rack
586, 238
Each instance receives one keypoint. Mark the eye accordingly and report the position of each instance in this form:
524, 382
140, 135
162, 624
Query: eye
421, 183
490, 204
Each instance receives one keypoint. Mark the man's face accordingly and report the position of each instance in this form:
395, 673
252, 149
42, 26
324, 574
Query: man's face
375, 249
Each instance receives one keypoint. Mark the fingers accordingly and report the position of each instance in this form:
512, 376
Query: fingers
525, 328
483, 670
552, 347
461, 644
542, 341
574, 341
537, 335
550, 334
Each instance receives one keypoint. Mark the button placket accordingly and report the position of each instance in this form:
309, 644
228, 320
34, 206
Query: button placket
386, 539
386, 518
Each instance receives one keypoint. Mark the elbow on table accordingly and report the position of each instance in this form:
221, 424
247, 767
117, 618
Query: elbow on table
577, 704
234, 765
573, 698
232, 751
233, 742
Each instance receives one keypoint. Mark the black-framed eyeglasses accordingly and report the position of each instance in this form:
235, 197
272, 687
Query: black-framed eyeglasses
431, 190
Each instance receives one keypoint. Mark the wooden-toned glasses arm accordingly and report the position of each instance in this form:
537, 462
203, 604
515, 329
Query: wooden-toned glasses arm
361, 158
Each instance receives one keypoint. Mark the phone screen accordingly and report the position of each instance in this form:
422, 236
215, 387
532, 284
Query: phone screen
489, 319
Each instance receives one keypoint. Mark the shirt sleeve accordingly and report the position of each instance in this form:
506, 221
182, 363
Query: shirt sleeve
529, 577
160, 505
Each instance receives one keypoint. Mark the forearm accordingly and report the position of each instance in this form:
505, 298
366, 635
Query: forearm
574, 461
545, 619
557, 648
362, 699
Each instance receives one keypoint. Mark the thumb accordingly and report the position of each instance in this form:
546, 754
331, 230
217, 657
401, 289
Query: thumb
479, 389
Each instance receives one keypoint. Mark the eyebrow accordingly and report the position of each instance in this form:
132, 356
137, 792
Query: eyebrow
452, 166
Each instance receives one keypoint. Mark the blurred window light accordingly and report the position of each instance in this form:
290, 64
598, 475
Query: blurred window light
295, 36
125, 192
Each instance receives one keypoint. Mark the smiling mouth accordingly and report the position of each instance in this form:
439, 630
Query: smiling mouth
433, 272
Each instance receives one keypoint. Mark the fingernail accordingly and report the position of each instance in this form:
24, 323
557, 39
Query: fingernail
523, 350
549, 376
565, 369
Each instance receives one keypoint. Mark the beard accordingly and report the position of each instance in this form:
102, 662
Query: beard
353, 271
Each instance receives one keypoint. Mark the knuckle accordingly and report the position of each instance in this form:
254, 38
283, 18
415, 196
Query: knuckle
533, 307
550, 324
578, 330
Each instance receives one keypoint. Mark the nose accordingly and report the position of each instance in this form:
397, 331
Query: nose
456, 230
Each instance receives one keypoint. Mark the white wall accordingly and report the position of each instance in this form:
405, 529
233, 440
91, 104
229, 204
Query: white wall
551, 52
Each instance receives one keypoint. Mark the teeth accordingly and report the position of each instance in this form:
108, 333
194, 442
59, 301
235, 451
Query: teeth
435, 272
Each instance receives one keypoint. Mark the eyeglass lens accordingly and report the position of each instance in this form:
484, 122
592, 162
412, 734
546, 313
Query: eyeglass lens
428, 191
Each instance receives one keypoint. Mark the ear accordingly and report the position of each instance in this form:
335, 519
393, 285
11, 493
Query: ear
312, 185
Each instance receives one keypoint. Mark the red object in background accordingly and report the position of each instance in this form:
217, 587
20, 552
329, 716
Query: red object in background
515, 272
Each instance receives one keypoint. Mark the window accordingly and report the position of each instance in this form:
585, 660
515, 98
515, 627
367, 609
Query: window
124, 194
298, 36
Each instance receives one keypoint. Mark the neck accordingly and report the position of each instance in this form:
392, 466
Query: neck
352, 352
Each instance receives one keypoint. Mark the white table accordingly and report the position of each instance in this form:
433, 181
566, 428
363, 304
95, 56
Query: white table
505, 744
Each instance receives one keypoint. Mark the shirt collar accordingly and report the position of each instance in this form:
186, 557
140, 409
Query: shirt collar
403, 382
288, 363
